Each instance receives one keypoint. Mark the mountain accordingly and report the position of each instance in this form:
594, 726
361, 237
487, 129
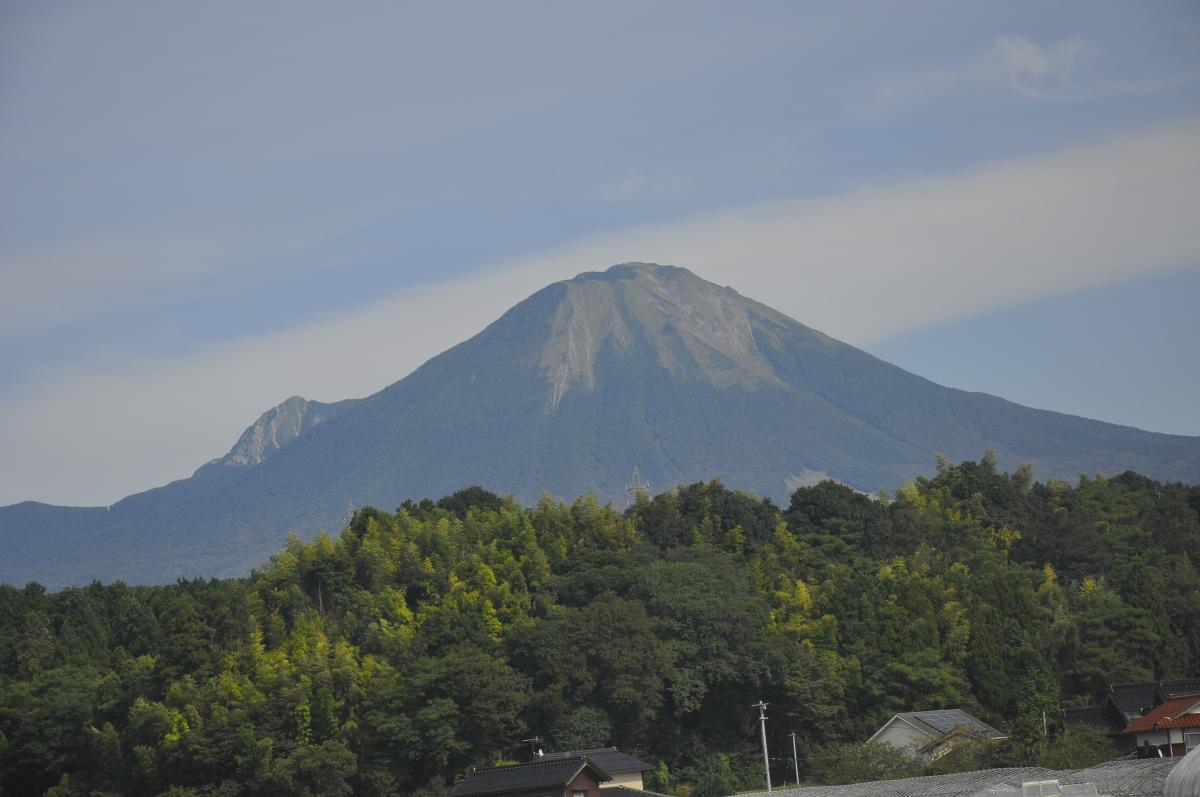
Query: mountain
641, 366
279, 426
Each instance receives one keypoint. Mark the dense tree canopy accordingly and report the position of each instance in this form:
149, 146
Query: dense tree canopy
392, 658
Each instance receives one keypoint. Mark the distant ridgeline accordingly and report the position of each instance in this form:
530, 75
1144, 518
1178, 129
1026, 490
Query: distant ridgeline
417, 644
638, 366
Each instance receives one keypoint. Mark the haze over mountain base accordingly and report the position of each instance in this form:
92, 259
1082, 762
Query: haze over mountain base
641, 366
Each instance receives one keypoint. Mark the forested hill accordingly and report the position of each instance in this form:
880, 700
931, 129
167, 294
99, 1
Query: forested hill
392, 658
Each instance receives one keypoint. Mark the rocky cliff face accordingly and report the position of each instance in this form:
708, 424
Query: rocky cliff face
278, 427
668, 307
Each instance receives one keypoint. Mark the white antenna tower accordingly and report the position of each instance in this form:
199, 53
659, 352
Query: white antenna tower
636, 485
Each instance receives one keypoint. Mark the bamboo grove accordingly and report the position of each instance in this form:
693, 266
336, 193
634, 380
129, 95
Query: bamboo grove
391, 658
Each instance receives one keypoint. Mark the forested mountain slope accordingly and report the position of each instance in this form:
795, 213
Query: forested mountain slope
416, 644
640, 365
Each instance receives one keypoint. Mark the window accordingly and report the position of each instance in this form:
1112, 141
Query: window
579, 793
1191, 740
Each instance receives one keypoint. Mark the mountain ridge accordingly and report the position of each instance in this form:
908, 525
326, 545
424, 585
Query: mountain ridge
278, 426
640, 365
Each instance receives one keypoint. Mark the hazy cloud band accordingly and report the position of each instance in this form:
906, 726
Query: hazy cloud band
860, 266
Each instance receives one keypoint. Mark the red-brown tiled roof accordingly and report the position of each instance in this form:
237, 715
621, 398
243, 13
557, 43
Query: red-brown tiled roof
1186, 721
1165, 713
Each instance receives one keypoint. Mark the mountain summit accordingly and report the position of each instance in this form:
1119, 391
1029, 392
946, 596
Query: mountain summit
695, 328
641, 366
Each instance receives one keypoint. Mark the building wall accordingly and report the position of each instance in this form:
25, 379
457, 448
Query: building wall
631, 780
1154, 738
899, 733
583, 781
1169, 742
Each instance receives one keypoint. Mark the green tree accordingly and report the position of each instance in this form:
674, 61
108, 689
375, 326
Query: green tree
852, 762
583, 729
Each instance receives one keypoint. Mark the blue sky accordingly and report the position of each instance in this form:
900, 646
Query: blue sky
209, 208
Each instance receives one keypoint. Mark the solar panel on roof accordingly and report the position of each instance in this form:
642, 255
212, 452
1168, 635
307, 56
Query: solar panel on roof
945, 720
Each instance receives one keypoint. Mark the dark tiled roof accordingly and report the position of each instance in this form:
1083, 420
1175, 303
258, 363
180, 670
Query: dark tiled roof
519, 778
610, 759
1134, 700
1104, 717
1126, 702
1181, 687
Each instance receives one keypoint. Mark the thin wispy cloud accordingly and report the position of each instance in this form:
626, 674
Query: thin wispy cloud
50, 286
862, 265
1047, 73
1067, 70
44, 288
991, 236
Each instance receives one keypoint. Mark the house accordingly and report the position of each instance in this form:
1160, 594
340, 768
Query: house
1124, 704
623, 769
569, 776
933, 734
1171, 729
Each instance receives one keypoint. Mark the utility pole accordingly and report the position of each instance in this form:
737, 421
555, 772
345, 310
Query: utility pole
795, 759
762, 719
